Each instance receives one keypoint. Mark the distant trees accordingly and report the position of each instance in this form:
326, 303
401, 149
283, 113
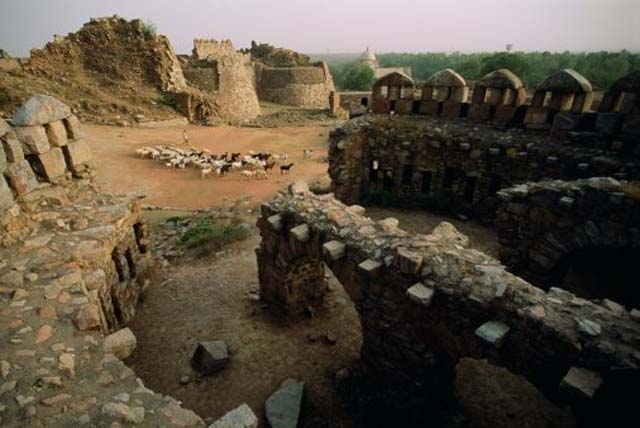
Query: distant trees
353, 77
601, 68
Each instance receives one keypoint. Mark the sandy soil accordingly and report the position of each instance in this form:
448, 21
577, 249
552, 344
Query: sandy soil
120, 170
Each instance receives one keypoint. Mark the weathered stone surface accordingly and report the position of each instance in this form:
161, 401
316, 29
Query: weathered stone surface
6, 197
210, 357
408, 261
74, 128
41, 109
493, 332
275, 221
33, 138
240, 417
124, 413
299, 188
77, 153
446, 230
371, 268
88, 317
493, 397
420, 294
300, 233
333, 250
121, 343
56, 133
283, 406
582, 382
21, 177
12, 149
53, 164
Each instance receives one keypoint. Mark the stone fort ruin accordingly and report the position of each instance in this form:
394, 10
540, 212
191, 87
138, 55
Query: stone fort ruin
558, 182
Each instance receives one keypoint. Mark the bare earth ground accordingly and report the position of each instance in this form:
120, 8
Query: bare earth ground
206, 298
120, 170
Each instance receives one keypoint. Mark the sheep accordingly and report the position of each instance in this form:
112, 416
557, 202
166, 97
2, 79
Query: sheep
261, 174
205, 171
245, 175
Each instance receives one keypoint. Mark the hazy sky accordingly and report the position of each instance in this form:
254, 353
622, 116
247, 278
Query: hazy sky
346, 25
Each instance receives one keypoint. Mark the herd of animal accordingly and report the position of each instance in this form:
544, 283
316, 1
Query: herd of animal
250, 166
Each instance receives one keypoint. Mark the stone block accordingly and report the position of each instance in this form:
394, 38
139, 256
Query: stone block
504, 114
493, 332
301, 233
582, 382
74, 128
210, 357
56, 133
371, 268
6, 197
408, 262
429, 107
419, 293
77, 153
380, 105
121, 343
536, 117
33, 139
480, 112
333, 250
451, 110
12, 149
41, 109
241, 417
21, 177
404, 106
275, 221
283, 406
3, 159
53, 163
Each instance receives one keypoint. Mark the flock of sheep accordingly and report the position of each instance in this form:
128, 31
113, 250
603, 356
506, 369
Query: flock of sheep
250, 166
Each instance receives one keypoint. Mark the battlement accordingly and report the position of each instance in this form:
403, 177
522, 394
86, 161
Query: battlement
204, 48
561, 103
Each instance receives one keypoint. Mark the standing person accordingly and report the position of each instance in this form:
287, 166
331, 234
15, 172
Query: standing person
185, 137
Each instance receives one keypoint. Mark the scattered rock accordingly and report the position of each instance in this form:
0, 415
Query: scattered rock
241, 417
210, 357
124, 413
121, 343
283, 406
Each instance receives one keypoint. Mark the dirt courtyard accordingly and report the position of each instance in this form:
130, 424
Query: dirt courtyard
121, 170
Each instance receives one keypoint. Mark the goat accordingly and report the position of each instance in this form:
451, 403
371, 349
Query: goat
224, 169
261, 175
205, 171
286, 168
269, 165
235, 156
245, 175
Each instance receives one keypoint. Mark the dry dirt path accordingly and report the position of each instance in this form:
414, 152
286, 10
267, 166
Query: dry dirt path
120, 170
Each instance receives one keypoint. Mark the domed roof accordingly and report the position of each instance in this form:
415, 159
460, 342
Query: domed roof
566, 80
501, 79
446, 77
368, 55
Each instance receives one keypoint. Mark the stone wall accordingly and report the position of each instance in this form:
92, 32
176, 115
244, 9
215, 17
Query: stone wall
541, 224
356, 103
73, 265
306, 87
226, 79
453, 165
426, 301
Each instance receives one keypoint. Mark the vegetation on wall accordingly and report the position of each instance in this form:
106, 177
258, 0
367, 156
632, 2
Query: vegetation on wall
601, 68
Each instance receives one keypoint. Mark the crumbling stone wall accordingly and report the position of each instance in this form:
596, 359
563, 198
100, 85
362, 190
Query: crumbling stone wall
307, 87
73, 264
117, 48
356, 103
541, 224
425, 301
225, 78
453, 165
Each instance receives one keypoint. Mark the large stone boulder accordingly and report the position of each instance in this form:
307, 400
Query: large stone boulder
210, 357
283, 406
241, 417
493, 397
6, 197
121, 343
41, 109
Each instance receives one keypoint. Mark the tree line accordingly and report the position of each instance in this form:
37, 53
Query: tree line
600, 68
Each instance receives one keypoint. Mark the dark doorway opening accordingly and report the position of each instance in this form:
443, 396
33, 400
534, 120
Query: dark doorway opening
364, 101
599, 273
470, 189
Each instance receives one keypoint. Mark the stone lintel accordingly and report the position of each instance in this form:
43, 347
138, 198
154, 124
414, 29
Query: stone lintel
275, 221
419, 293
493, 332
582, 381
371, 268
334, 250
301, 233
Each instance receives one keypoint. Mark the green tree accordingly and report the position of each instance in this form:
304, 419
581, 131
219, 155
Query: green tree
512, 61
357, 77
